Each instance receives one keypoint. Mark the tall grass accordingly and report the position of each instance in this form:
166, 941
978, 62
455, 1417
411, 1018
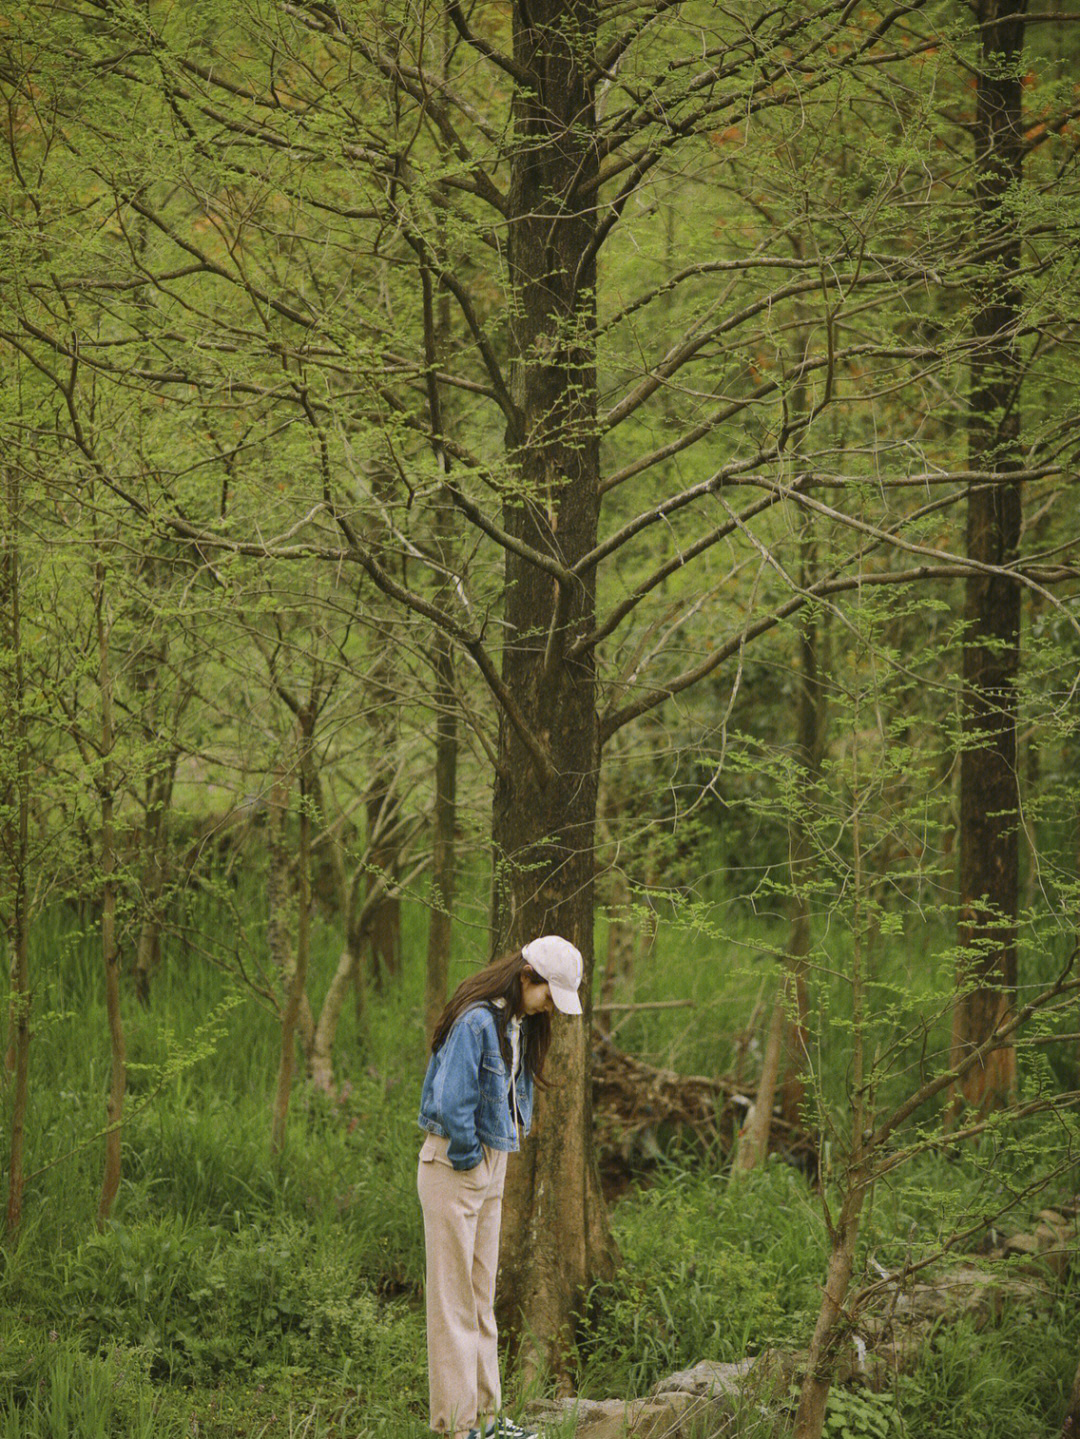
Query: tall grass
234, 1296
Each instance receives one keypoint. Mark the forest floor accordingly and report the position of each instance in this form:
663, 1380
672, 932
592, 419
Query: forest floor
230, 1298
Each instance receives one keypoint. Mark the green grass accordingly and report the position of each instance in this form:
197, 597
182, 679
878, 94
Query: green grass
232, 1296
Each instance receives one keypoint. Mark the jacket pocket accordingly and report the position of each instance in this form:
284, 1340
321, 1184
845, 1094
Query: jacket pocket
494, 1079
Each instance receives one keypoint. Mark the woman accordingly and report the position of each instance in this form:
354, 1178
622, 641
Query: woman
487, 1052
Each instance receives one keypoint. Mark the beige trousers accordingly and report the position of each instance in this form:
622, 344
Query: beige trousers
462, 1210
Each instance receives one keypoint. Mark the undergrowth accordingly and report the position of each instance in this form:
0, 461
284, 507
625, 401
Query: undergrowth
231, 1296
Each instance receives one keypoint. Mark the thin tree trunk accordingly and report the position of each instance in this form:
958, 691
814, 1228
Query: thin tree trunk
832, 1321
320, 1055
382, 805
154, 868
989, 794
16, 848
110, 954
621, 935
295, 992
440, 921
555, 1235
350, 965
786, 1037
384, 930
279, 930
753, 1144
809, 740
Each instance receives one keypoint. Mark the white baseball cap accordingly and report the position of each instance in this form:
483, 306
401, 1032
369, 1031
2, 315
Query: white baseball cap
559, 962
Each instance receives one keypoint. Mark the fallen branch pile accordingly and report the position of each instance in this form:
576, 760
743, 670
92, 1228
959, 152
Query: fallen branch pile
638, 1109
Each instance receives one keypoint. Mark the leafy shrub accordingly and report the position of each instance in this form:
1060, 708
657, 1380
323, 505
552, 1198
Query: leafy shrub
861, 1414
204, 1303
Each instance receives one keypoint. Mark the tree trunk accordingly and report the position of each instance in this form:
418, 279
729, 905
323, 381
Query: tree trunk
556, 1236
110, 954
440, 922
294, 990
384, 928
833, 1319
320, 1054
788, 1027
622, 938
381, 803
154, 868
831, 1326
809, 739
989, 794
16, 835
754, 1139
350, 970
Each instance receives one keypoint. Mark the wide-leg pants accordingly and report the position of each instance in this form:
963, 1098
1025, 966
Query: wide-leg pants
462, 1212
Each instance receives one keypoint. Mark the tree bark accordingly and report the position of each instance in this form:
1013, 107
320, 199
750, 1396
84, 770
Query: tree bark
833, 1319
109, 951
440, 922
831, 1326
159, 787
622, 938
989, 793
279, 941
555, 1232
754, 1139
809, 740
382, 805
294, 994
384, 929
786, 1037
16, 846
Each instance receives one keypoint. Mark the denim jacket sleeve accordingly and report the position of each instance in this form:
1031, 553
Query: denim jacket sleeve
457, 1093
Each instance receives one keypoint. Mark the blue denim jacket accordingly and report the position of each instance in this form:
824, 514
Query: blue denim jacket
466, 1094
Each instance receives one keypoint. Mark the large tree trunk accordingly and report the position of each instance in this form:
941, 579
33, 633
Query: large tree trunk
989, 793
555, 1230
16, 784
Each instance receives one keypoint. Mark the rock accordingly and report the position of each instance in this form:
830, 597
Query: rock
1053, 1218
1049, 1237
1022, 1244
707, 1378
670, 1416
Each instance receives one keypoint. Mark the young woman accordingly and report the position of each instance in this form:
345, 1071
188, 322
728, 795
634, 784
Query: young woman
487, 1052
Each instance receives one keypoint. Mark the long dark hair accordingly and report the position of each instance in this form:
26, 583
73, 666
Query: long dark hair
501, 979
